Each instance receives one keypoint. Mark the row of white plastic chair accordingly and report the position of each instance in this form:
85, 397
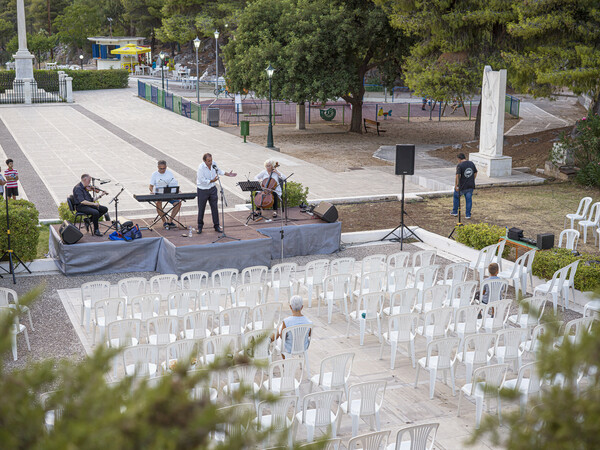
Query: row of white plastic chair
587, 217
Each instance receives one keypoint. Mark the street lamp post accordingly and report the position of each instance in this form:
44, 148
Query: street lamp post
197, 45
217, 61
162, 68
270, 71
110, 25
81, 61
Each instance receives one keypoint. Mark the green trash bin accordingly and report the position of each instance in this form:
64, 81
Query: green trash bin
245, 128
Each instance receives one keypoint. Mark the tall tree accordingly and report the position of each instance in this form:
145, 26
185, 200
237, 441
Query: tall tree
321, 49
562, 47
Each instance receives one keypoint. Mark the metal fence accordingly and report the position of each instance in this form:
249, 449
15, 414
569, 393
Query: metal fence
512, 105
257, 111
48, 88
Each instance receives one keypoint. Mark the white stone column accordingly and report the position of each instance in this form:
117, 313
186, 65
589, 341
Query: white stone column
69, 81
300, 116
23, 59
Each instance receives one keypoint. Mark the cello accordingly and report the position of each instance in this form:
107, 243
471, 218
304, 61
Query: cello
264, 199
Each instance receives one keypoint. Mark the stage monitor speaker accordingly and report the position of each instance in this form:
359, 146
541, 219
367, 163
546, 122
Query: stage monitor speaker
545, 241
326, 211
405, 159
69, 233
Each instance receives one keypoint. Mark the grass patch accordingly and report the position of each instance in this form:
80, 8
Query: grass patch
42, 244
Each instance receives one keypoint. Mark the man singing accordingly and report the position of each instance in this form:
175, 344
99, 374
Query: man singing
208, 174
85, 204
161, 179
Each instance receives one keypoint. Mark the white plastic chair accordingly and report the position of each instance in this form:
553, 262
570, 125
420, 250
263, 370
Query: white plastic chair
463, 294
144, 306
554, 287
569, 284
484, 259
225, 278
214, 299
425, 277
371, 282
592, 308
477, 350
163, 284
341, 265
233, 320
506, 349
198, 324
105, 312
398, 278
492, 323
184, 351
236, 420
465, 322
418, 437
581, 213
295, 341
373, 263
334, 373
532, 345
368, 310
375, 440
314, 276
278, 418
528, 270
90, 293
518, 274
283, 277
265, 317
401, 329
336, 288
162, 330
530, 313
198, 279
593, 222
220, 346
181, 302
15, 329
441, 355
570, 236
487, 383
257, 345
495, 289
241, 376
141, 360
575, 329
435, 324
319, 409
6, 295
254, 274
285, 376
433, 297
250, 294
527, 384
203, 389
402, 302
423, 258
131, 287
398, 260
454, 274
123, 333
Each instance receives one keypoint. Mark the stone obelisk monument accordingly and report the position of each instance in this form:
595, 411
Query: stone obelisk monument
23, 58
489, 159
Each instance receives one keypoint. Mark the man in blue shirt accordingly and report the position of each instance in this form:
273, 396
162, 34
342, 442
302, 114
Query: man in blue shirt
464, 183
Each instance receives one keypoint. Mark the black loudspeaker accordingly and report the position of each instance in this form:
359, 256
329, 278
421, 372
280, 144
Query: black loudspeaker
326, 211
545, 241
405, 159
69, 233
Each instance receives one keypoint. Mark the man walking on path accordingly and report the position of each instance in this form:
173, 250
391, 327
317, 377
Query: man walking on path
466, 172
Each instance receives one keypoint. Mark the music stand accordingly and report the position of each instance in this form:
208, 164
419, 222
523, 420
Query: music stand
115, 225
252, 187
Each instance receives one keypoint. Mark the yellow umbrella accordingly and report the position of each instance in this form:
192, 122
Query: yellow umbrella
130, 49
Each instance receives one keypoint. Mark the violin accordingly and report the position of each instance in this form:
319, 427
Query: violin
95, 190
264, 199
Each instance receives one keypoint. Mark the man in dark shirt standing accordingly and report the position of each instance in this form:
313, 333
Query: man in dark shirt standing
85, 204
466, 172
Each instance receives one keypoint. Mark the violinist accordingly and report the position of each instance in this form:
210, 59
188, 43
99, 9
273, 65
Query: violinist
265, 177
85, 204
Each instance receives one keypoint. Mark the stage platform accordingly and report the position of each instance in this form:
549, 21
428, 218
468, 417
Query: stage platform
172, 251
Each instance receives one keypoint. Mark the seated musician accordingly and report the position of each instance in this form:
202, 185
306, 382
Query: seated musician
271, 171
85, 204
160, 179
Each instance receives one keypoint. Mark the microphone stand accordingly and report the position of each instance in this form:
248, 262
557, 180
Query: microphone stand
223, 235
116, 225
285, 209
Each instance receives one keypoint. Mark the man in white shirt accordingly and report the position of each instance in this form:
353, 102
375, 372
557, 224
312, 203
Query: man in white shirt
208, 173
160, 179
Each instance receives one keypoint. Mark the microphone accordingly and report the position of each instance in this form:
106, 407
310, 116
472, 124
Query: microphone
104, 181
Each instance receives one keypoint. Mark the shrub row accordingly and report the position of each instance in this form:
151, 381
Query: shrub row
24, 231
587, 277
87, 80
480, 235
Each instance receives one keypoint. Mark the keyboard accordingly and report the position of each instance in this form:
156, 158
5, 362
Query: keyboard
165, 197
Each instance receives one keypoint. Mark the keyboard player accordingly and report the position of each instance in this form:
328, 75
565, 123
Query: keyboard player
161, 179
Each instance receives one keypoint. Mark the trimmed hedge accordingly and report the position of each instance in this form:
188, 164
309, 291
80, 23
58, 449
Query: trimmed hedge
480, 235
87, 80
24, 231
296, 194
587, 277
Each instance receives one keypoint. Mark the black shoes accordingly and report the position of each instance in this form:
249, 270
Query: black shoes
199, 231
218, 229
97, 233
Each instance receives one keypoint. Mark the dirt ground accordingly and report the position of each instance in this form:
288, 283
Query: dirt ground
338, 150
534, 209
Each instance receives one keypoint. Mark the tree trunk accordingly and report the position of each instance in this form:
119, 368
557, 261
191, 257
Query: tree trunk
595, 106
478, 121
301, 116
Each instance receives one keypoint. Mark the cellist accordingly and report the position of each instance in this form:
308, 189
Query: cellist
272, 172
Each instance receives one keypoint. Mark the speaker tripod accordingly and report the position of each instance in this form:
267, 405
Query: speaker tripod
401, 227
458, 223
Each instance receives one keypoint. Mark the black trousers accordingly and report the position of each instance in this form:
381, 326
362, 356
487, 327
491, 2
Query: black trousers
94, 212
210, 196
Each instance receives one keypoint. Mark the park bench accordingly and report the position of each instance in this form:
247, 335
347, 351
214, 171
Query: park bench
368, 123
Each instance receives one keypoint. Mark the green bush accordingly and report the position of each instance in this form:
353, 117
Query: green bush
480, 235
87, 80
65, 213
296, 194
584, 142
587, 277
24, 231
